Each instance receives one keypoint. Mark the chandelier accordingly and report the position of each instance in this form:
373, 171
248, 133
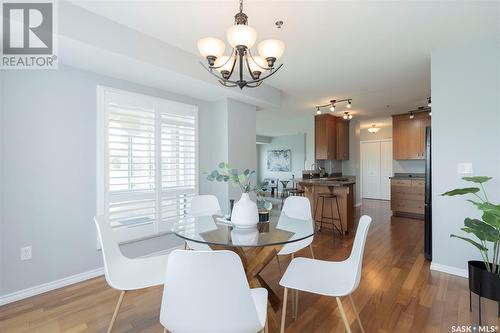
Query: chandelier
241, 37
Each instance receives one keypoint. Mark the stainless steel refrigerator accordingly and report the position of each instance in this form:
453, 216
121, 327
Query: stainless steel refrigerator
428, 196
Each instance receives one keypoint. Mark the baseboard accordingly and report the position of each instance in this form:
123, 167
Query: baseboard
43, 288
64, 282
450, 270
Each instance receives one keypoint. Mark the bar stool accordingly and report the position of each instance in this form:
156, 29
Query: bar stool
296, 192
284, 190
329, 220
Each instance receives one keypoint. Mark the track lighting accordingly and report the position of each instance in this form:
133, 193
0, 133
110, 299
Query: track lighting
429, 104
333, 104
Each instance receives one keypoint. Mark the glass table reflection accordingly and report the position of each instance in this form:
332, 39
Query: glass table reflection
214, 230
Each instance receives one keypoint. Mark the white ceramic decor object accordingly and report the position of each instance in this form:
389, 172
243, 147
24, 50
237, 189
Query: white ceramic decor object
245, 213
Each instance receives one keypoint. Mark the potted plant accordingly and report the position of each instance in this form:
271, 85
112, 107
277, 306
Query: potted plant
484, 276
245, 211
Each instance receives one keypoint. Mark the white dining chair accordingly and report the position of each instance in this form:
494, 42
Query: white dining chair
203, 205
297, 208
207, 291
328, 278
123, 273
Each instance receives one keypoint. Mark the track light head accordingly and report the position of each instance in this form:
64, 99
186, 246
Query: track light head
346, 115
412, 115
332, 108
429, 104
318, 110
349, 104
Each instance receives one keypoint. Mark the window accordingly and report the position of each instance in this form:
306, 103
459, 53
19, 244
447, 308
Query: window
147, 162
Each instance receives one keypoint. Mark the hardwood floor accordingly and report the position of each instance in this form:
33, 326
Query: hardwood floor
398, 292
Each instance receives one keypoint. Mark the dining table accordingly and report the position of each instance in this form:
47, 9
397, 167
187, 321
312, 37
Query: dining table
257, 246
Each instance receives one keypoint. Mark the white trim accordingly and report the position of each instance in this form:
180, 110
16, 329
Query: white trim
45, 287
449, 270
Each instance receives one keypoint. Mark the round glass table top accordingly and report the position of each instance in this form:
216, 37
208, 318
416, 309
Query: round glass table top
215, 230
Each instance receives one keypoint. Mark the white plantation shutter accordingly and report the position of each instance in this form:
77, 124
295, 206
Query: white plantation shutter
147, 162
178, 164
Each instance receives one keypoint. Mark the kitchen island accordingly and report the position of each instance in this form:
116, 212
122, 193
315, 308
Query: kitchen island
343, 187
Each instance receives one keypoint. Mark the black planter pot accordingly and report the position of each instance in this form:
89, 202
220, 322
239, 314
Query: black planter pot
484, 284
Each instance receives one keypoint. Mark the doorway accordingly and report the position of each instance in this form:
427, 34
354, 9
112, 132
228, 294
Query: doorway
376, 168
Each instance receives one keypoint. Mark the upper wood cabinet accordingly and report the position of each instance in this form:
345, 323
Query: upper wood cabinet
331, 138
408, 136
342, 144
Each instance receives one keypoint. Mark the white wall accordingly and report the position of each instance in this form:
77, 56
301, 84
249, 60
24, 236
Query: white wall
48, 170
242, 153
352, 167
465, 128
296, 143
278, 123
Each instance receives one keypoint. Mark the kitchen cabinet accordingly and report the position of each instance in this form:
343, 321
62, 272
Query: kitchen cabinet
407, 197
408, 136
342, 143
331, 138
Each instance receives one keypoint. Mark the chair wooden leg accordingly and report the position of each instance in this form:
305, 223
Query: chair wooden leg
312, 252
283, 311
296, 310
342, 314
117, 308
357, 314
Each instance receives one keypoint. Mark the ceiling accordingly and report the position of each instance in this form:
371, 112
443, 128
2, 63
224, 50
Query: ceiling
375, 52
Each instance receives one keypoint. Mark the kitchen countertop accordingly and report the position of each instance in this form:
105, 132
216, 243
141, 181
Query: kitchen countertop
408, 176
328, 181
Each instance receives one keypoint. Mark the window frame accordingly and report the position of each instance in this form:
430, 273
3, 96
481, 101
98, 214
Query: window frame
160, 105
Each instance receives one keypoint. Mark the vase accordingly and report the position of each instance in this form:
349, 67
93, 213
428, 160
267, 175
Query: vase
245, 213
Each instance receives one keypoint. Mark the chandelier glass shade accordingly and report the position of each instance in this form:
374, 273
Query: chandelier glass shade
373, 129
250, 70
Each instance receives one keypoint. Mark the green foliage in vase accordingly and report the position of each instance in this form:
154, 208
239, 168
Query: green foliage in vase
243, 180
486, 229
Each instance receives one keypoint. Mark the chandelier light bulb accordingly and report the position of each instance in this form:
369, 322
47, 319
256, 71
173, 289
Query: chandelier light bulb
271, 48
350, 117
257, 64
346, 115
430, 113
212, 47
225, 62
241, 34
